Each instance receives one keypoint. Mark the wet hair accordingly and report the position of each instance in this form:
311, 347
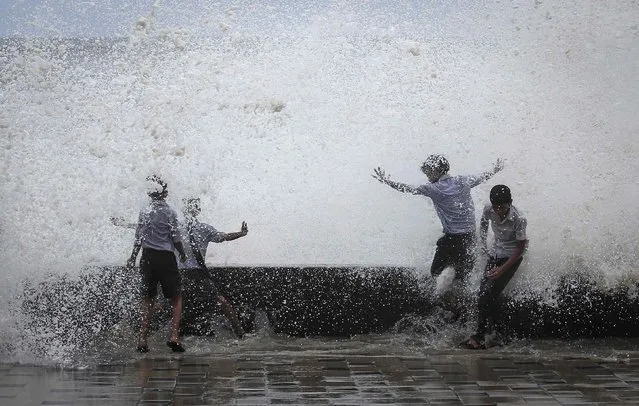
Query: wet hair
157, 191
500, 194
436, 163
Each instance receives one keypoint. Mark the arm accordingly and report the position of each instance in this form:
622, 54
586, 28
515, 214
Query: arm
381, 176
180, 249
137, 244
497, 166
235, 236
120, 222
176, 236
483, 233
499, 270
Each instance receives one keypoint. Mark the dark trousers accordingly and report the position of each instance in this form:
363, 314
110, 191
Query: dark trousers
489, 292
456, 250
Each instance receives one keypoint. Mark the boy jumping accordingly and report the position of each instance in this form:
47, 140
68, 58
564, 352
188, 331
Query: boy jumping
455, 209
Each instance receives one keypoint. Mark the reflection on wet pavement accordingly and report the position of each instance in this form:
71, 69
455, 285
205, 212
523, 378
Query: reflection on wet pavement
328, 377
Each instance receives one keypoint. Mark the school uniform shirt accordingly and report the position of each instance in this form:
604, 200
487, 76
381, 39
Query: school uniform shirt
158, 227
507, 232
203, 234
453, 203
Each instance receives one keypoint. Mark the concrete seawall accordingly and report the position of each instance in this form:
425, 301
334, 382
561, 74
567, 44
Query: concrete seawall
317, 301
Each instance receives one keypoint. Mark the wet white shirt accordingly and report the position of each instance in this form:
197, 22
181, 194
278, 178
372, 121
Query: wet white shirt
203, 234
507, 232
453, 203
158, 227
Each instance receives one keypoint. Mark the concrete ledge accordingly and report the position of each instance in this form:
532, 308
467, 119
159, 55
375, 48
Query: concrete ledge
316, 301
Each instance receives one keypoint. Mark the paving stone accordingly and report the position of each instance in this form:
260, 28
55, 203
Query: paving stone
321, 378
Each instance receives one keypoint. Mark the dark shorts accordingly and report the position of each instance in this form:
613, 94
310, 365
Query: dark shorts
159, 267
456, 250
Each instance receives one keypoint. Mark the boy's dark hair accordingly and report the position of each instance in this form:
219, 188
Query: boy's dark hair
500, 194
436, 162
159, 193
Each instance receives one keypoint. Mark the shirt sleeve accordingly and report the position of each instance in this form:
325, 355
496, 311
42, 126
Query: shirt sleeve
212, 235
424, 189
520, 229
472, 180
175, 228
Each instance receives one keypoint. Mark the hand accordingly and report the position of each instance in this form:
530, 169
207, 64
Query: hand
495, 273
182, 257
380, 175
498, 165
244, 230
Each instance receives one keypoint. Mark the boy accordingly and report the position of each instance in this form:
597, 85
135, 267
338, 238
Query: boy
199, 236
455, 209
509, 227
158, 235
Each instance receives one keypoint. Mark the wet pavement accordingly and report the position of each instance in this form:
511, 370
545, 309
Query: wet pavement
324, 376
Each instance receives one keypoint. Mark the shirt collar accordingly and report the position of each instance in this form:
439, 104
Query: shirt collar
509, 217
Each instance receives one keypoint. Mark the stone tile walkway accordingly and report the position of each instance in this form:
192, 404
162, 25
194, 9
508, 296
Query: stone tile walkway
457, 377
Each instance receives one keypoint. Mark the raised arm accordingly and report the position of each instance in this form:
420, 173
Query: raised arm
483, 177
235, 236
382, 177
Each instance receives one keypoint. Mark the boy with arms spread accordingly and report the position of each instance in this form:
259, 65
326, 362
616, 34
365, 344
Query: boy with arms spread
199, 236
455, 209
509, 227
158, 235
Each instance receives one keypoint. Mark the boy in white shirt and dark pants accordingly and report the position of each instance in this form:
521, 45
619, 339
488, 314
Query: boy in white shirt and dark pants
509, 227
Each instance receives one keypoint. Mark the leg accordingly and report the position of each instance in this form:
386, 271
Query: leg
462, 256
176, 302
441, 258
231, 314
484, 306
171, 282
147, 311
489, 293
149, 291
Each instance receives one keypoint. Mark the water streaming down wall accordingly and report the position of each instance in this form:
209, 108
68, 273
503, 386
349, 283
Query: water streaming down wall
280, 122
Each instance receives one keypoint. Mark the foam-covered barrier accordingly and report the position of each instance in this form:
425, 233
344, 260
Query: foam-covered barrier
317, 301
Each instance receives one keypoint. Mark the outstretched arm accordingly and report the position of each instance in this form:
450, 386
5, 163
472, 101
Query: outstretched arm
483, 177
382, 177
121, 222
497, 166
235, 236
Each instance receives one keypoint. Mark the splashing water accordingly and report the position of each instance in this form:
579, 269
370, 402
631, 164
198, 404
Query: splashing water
278, 119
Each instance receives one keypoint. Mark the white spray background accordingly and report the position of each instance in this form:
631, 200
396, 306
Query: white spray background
279, 120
